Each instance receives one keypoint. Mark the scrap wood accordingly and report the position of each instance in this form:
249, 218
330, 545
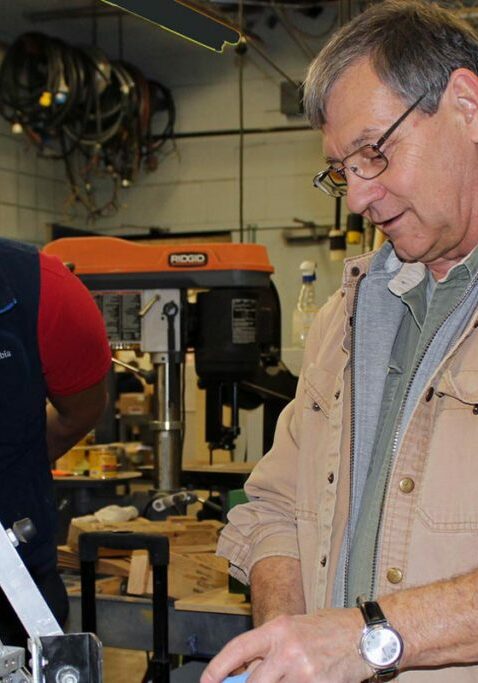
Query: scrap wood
195, 548
68, 559
216, 600
219, 564
187, 574
193, 521
110, 585
179, 530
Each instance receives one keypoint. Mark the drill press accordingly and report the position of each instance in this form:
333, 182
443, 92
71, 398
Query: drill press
142, 292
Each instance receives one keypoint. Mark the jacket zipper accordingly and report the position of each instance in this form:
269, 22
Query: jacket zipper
465, 295
352, 439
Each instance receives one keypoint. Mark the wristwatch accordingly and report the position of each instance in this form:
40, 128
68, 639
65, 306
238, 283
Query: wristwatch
380, 645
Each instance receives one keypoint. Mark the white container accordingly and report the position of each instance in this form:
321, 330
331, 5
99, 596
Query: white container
306, 307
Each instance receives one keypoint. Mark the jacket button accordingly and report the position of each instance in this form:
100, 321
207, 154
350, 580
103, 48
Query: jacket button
394, 575
355, 270
330, 477
429, 394
337, 394
406, 485
323, 560
475, 409
316, 407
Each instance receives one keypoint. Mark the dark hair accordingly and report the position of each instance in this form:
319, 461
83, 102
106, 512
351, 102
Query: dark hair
413, 46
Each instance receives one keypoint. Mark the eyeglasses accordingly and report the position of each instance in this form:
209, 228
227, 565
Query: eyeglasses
366, 162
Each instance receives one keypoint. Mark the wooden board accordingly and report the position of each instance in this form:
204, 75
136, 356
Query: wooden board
193, 566
111, 585
180, 530
68, 559
216, 600
187, 574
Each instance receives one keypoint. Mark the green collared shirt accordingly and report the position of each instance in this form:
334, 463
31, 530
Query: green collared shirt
426, 305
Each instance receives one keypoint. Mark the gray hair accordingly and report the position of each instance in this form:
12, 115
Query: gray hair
412, 45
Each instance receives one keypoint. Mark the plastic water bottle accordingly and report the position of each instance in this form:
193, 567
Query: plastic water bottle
306, 308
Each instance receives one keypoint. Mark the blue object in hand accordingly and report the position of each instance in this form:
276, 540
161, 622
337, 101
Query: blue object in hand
242, 678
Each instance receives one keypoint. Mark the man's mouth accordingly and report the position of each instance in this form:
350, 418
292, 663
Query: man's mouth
389, 223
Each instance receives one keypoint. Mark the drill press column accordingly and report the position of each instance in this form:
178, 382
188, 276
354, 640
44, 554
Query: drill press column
168, 423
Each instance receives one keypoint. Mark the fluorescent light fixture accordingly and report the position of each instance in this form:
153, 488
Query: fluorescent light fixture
183, 19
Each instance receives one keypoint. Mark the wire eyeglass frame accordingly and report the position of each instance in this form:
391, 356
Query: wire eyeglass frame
333, 180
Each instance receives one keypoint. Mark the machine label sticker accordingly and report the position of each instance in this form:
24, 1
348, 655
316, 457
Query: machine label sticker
188, 259
120, 312
244, 315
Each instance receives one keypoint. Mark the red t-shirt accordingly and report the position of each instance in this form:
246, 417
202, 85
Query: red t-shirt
74, 349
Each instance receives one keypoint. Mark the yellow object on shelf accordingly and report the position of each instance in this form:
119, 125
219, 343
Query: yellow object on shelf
75, 460
103, 462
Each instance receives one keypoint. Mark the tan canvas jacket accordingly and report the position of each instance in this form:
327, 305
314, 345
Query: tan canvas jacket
300, 489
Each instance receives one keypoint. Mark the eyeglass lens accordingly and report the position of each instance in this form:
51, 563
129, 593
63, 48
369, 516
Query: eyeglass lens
366, 162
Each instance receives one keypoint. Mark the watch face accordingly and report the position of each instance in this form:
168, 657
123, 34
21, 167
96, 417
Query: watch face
381, 646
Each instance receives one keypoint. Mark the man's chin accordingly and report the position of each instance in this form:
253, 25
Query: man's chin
406, 255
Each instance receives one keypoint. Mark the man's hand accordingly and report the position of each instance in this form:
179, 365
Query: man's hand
438, 623
69, 418
318, 648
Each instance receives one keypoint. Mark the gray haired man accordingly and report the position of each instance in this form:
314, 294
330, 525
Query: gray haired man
360, 539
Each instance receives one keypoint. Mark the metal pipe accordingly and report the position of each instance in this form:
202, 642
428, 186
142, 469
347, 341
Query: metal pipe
232, 131
167, 424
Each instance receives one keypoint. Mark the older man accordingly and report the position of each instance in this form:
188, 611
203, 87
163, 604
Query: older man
368, 497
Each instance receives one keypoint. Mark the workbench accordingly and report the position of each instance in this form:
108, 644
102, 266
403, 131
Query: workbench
196, 627
200, 624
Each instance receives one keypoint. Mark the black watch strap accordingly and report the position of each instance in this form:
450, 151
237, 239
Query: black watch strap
371, 612
381, 676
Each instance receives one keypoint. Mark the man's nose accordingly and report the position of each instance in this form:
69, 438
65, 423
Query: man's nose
362, 193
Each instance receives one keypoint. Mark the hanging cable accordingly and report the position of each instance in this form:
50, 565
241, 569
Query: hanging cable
290, 30
120, 37
345, 11
252, 42
76, 102
94, 23
241, 51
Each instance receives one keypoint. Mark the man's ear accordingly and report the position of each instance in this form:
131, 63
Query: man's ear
462, 92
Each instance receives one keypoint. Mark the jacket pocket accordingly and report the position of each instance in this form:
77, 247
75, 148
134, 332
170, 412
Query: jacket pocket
448, 499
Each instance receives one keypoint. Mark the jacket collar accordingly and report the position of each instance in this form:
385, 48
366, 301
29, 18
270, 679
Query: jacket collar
403, 276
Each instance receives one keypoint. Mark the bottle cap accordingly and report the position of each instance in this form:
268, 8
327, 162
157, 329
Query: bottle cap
308, 271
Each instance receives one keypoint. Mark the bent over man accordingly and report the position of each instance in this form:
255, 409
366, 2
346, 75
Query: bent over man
360, 539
